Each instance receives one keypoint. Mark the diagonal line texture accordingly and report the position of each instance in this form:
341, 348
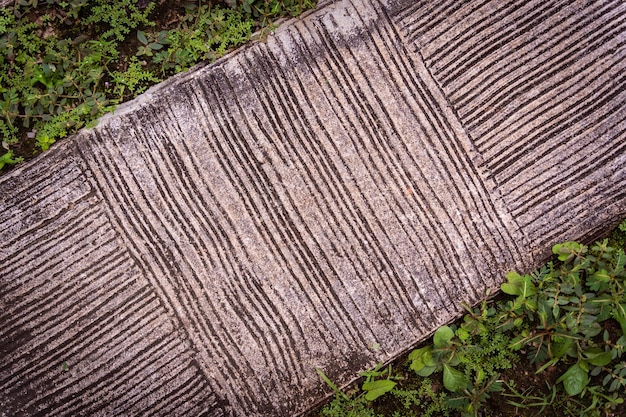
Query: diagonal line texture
348, 183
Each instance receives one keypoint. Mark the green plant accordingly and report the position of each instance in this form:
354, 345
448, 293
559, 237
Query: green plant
573, 301
470, 400
525, 400
57, 95
267, 10
568, 316
444, 355
375, 386
64, 63
343, 405
419, 401
470, 358
617, 238
8, 158
130, 82
422, 401
205, 34
154, 44
117, 19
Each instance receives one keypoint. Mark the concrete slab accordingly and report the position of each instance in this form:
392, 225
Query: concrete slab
347, 183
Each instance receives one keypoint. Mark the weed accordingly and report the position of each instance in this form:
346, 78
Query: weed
572, 302
375, 386
131, 82
422, 400
524, 400
206, 33
569, 314
617, 239
118, 18
154, 44
64, 63
8, 158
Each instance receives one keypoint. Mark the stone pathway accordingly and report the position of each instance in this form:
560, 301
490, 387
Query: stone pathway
346, 184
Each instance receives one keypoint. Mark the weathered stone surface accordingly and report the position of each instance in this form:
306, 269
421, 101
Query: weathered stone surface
349, 182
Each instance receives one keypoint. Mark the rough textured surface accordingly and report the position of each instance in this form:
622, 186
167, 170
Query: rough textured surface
347, 183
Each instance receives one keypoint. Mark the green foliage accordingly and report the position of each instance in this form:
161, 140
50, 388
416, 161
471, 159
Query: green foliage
118, 18
59, 126
617, 238
575, 379
205, 34
444, 355
422, 400
375, 387
574, 300
524, 400
267, 10
64, 63
8, 158
59, 82
150, 45
572, 313
470, 358
131, 82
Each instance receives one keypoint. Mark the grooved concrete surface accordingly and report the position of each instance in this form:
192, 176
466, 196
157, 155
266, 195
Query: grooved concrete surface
347, 183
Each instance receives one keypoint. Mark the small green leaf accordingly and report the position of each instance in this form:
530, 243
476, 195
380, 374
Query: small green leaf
511, 286
162, 38
375, 389
427, 371
567, 250
7, 158
480, 375
422, 361
453, 379
619, 314
518, 285
142, 37
418, 355
597, 357
574, 379
443, 336
602, 276
560, 346
463, 334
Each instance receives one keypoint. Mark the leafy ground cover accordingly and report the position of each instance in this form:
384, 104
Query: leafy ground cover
64, 63
551, 344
